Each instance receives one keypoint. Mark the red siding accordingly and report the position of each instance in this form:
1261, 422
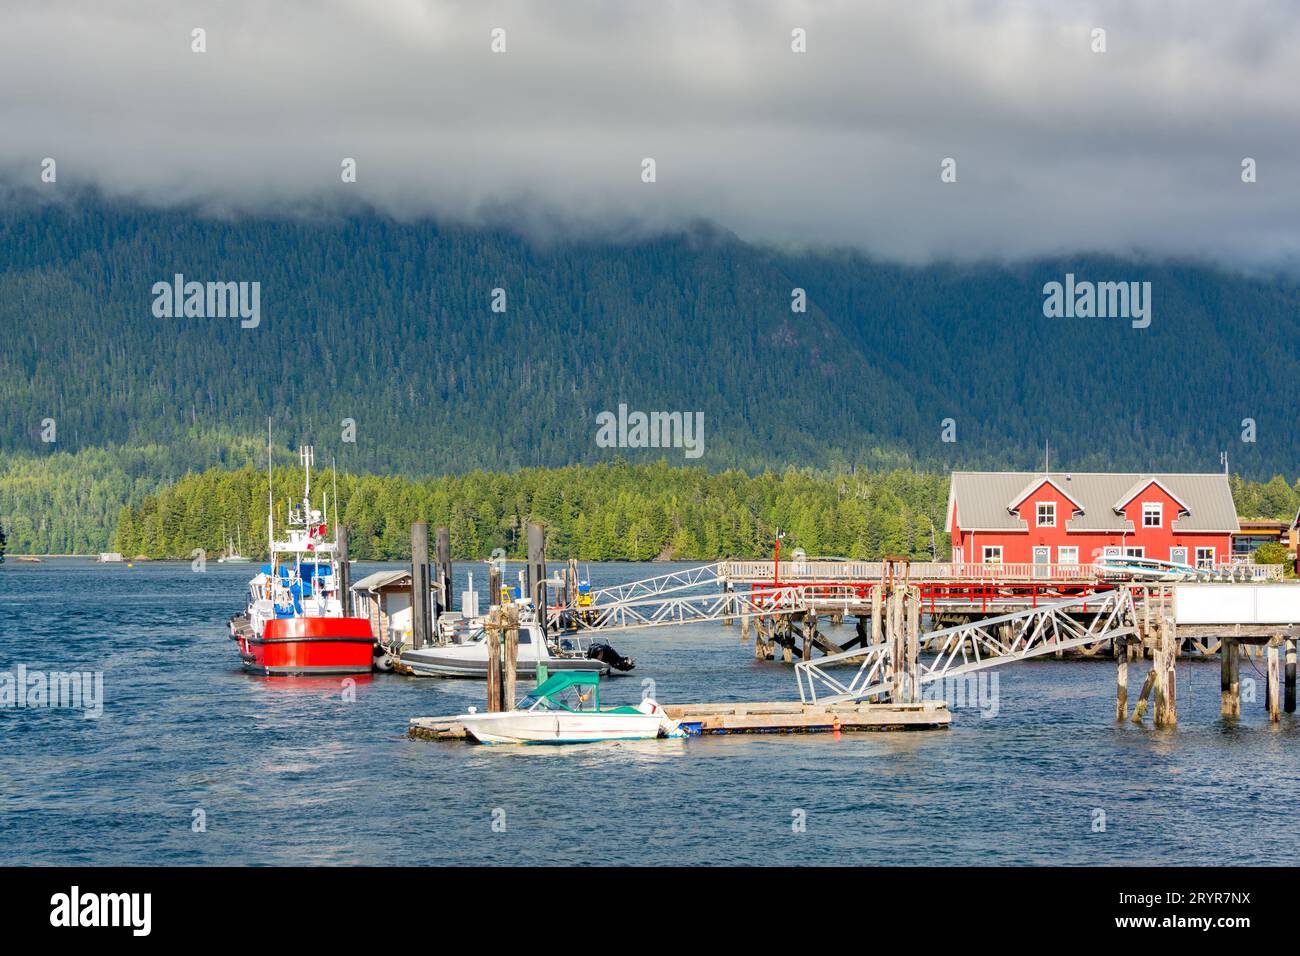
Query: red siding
1018, 546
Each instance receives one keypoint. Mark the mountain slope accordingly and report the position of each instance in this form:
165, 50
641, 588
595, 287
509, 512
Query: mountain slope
390, 324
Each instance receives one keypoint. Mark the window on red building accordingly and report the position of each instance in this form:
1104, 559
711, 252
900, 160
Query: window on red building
1153, 513
1047, 514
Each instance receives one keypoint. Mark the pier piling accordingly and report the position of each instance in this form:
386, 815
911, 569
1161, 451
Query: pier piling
1289, 703
442, 551
912, 598
510, 657
344, 570
1121, 679
537, 568
421, 623
1229, 679
492, 631
1274, 680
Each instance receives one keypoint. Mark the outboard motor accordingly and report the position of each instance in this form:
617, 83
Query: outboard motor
600, 651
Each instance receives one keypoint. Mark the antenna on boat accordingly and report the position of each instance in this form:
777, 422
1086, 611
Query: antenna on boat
334, 477
307, 457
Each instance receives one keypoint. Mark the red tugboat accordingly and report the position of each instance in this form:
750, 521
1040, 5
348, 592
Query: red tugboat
294, 622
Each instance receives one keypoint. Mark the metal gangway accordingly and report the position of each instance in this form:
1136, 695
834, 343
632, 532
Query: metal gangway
662, 601
704, 575
978, 645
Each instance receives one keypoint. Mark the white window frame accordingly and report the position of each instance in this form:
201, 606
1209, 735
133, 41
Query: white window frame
1130, 552
1067, 555
1213, 556
1038, 514
1177, 547
1158, 509
958, 556
992, 547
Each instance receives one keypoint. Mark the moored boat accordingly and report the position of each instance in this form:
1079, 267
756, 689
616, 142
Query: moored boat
462, 651
232, 553
565, 709
294, 622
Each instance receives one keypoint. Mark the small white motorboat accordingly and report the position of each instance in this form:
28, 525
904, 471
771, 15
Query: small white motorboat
462, 651
565, 709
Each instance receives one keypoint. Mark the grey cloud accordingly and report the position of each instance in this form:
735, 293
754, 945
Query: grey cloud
1058, 149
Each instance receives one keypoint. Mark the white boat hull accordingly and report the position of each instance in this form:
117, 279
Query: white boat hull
524, 727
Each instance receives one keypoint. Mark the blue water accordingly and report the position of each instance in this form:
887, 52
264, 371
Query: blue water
288, 771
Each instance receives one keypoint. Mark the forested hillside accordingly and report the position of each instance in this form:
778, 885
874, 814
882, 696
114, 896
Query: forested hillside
390, 325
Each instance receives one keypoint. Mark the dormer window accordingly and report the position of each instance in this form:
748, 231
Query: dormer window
1153, 513
1047, 514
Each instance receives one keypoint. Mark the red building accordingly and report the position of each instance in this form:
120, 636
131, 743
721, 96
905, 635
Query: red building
1074, 518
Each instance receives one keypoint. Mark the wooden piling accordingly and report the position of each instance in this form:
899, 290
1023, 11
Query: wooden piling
744, 628
343, 569
1229, 679
421, 620
897, 636
536, 569
1140, 708
510, 657
1289, 703
1274, 680
442, 566
492, 632
912, 598
877, 607
1167, 699
1121, 679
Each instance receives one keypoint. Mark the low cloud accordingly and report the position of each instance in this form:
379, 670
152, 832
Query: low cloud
1058, 149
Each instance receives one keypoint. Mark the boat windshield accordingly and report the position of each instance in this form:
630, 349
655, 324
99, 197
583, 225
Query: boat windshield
576, 699
479, 635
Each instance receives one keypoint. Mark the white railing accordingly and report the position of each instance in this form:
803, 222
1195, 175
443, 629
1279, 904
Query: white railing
797, 572
801, 572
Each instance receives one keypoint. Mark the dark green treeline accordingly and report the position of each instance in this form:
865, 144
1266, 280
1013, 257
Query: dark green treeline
610, 512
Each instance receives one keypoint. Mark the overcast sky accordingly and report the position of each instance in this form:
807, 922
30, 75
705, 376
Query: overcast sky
1058, 148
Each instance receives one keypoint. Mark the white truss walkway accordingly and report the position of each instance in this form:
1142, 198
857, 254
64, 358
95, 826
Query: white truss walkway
705, 574
969, 647
677, 609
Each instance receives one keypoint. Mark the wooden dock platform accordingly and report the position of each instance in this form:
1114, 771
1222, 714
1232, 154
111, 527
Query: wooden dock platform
782, 717
797, 718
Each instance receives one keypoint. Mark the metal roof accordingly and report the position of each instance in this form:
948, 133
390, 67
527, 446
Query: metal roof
381, 579
982, 499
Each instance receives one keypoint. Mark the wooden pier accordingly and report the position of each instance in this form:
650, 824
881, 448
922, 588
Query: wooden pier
799, 718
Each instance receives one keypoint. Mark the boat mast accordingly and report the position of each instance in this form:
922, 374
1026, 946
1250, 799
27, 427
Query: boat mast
305, 453
334, 477
270, 499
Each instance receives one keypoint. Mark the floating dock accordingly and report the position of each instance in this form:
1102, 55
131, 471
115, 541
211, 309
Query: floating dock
783, 717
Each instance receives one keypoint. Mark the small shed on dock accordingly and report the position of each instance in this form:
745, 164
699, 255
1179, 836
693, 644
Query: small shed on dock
384, 598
